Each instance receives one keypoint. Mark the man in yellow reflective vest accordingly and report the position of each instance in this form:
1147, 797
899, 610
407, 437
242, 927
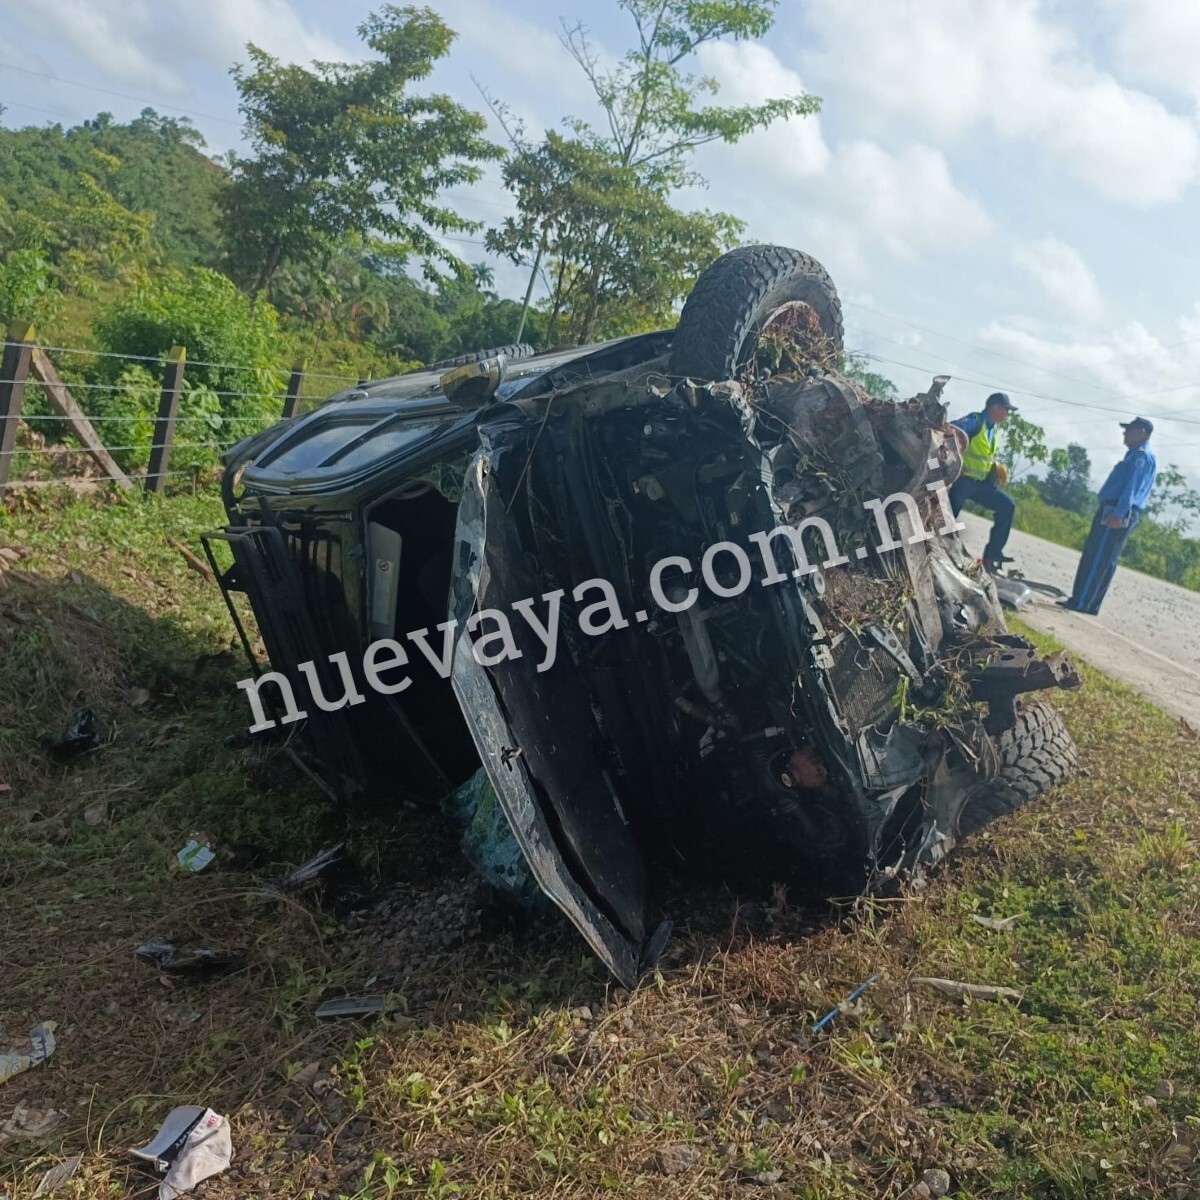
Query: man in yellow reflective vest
984, 476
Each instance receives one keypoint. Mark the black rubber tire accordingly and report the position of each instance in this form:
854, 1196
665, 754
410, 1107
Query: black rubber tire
517, 350
1035, 754
735, 297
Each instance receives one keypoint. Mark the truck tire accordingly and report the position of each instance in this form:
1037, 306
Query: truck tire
1035, 754
517, 350
737, 297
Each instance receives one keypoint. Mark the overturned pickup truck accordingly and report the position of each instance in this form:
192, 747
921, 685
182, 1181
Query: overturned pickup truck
687, 597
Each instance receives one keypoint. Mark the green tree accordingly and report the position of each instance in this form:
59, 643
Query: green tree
619, 256
858, 368
595, 205
1174, 502
1021, 445
103, 201
344, 150
1067, 483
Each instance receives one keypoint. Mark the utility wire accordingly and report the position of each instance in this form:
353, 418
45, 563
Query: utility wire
92, 87
15, 483
1024, 362
1012, 387
974, 346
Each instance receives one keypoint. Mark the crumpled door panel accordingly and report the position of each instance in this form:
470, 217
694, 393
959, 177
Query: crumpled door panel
535, 732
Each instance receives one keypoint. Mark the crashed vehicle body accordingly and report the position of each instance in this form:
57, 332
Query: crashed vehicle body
838, 718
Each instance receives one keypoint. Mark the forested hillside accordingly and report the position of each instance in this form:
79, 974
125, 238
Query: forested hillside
91, 216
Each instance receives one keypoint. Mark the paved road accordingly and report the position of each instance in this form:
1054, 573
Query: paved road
1147, 633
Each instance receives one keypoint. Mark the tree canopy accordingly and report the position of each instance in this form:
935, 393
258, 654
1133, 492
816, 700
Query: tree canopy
346, 150
595, 203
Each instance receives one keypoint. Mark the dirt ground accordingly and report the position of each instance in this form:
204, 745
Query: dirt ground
1147, 633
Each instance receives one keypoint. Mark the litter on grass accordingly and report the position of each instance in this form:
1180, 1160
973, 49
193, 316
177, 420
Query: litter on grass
976, 991
57, 1176
198, 961
41, 1046
845, 1004
192, 1144
196, 855
27, 1122
81, 735
997, 924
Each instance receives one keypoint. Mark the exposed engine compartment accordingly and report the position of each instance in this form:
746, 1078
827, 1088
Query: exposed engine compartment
790, 683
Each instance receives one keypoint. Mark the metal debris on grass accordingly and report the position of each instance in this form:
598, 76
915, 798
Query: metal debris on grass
197, 961
41, 1046
192, 1144
976, 991
344, 889
359, 1006
57, 1176
312, 870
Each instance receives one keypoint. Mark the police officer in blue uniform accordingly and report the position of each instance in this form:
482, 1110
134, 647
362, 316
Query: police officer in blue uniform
1122, 502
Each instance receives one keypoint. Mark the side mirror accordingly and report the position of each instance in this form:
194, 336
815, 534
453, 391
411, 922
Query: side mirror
472, 385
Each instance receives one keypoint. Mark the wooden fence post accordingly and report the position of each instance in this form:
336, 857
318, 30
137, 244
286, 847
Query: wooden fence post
14, 370
292, 400
61, 400
164, 426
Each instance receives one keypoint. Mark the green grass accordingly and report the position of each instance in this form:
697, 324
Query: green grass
491, 1081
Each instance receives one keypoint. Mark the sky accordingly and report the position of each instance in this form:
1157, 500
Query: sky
1004, 191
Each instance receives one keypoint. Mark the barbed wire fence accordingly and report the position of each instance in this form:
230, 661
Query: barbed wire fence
54, 432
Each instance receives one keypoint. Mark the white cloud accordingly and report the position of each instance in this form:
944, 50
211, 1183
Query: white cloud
906, 202
1064, 276
522, 63
866, 209
1131, 370
220, 29
849, 203
1158, 41
945, 67
138, 43
749, 73
112, 38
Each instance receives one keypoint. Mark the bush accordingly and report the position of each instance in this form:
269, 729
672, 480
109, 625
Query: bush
28, 290
233, 381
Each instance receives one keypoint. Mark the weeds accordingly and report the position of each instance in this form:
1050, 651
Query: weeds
515, 1069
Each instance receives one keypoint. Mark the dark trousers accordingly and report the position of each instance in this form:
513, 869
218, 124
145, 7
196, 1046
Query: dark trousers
998, 503
1098, 562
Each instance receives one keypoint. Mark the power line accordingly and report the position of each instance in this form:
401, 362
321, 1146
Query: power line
1025, 362
1038, 395
52, 112
508, 208
1014, 388
973, 346
92, 87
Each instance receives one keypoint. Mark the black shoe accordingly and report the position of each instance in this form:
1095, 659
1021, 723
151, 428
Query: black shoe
1067, 602
998, 558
